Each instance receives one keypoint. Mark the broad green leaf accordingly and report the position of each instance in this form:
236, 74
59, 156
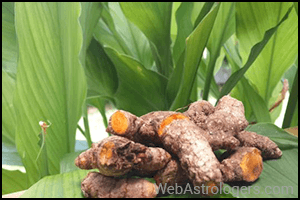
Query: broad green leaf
140, 90
154, 20
253, 19
205, 9
223, 28
201, 76
10, 155
9, 69
89, 17
51, 83
256, 51
99, 102
279, 136
8, 111
284, 169
174, 29
195, 44
185, 27
292, 103
13, 181
67, 163
9, 42
66, 185
243, 90
100, 72
296, 7
115, 31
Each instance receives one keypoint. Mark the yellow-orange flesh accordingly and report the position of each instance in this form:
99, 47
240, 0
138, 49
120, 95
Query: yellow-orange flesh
252, 165
119, 122
106, 152
168, 121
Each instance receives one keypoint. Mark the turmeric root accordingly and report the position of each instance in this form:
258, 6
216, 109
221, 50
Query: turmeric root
116, 156
124, 124
190, 137
245, 164
183, 138
268, 148
95, 185
220, 123
137, 129
172, 174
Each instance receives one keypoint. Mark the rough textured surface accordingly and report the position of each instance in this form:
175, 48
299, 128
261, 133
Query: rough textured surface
199, 111
147, 134
172, 174
186, 155
219, 124
229, 116
244, 164
95, 185
268, 148
184, 139
115, 156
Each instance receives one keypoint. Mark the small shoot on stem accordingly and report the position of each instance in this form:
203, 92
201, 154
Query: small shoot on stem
44, 127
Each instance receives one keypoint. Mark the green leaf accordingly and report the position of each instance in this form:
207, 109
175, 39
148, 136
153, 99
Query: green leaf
154, 20
9, 69
89, 17
99, 103
101, 74
246, 92
13, 181
67, 163
253, 19
254, 54
195, 44
185, 27
10, 155
9, 121
66, 185
296, 7
135, 82
51, 83
9, 42
204, 10
117, 32
279, 136
223, 28
292, 103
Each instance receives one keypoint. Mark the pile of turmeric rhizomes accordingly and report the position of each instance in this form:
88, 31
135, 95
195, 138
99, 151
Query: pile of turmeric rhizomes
176, 149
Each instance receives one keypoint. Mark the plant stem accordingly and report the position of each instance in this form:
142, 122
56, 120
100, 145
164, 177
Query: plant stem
86, 126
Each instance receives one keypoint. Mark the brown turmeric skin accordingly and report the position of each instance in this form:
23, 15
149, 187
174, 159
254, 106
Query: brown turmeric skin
244, 164
116, 156
171, 174
95, 185
221, 123
180, 152
268, 148
183, 138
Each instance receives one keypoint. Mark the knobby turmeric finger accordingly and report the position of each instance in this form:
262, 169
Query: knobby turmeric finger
183, 138
245, 164
220, 124
124, 124
116, 156
96, 185
268, 148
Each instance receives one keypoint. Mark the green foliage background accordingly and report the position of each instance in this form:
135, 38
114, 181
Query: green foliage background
57, 58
